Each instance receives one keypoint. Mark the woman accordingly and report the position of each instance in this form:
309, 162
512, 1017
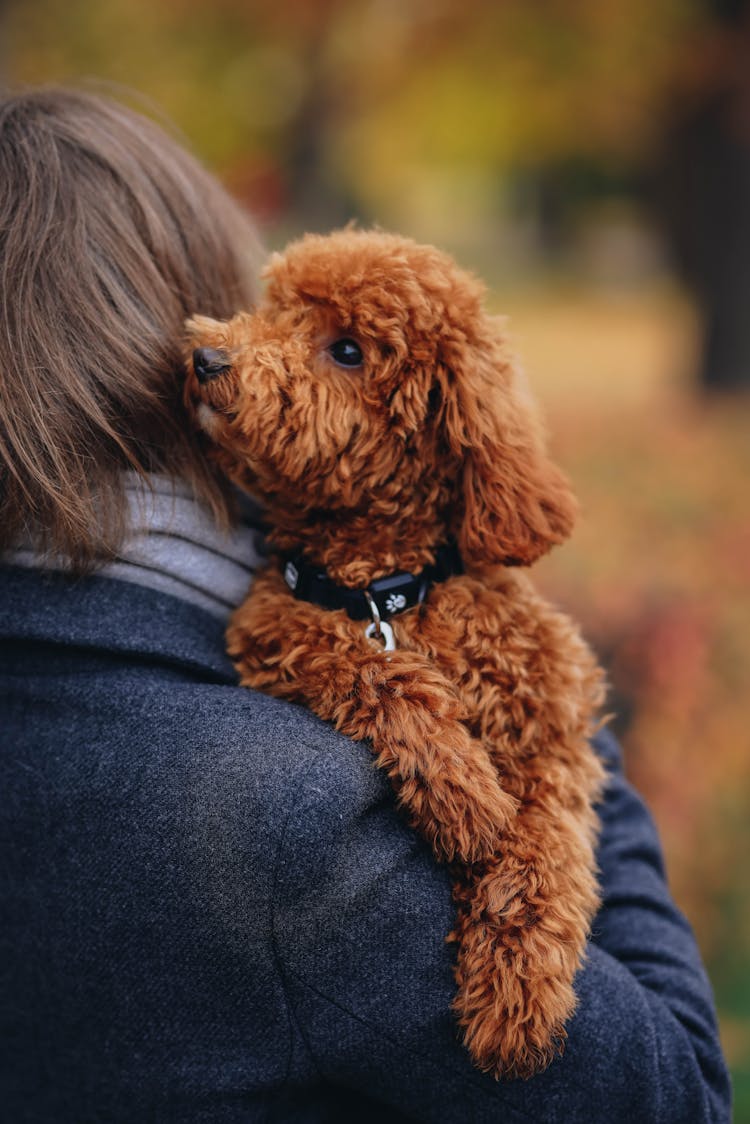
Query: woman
212, 909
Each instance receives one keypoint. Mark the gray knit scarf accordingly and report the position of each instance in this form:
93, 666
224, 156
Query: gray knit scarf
175, 547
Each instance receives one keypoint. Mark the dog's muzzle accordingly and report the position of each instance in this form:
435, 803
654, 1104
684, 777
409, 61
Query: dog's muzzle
209, 362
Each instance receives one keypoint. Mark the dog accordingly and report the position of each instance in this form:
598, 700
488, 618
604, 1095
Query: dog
372, 406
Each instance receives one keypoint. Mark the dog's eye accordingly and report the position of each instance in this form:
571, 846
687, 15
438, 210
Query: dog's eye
346, 352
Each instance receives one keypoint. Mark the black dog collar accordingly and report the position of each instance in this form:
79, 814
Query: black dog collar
392, 594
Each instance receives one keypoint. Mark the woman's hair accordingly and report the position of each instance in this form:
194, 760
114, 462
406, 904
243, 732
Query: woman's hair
110, 236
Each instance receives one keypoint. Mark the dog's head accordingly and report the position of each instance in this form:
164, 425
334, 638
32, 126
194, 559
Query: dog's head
371, 387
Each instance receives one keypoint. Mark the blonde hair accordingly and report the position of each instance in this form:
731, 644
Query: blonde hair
111, 234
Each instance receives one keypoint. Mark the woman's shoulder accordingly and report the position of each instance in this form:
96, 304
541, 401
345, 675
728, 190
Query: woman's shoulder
139, 680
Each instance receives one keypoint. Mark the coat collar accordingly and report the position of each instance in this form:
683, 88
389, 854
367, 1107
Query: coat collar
109, 616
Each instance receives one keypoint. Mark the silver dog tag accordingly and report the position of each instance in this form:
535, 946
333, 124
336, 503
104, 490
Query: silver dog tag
383, 632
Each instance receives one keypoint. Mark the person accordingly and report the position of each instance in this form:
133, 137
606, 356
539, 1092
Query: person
212, 910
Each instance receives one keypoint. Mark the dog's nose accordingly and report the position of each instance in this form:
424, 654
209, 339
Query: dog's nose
208, 362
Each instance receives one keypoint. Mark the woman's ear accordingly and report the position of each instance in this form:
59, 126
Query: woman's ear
513, 504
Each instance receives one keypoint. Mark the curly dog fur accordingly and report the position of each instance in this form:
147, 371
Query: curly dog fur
482, 716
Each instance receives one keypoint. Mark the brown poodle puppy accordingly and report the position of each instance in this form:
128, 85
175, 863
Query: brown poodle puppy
371, 405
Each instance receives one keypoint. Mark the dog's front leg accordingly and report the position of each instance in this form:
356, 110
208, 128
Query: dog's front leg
522, 928
399, 702
444, 779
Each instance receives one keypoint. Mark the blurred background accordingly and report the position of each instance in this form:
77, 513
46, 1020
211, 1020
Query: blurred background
591, 160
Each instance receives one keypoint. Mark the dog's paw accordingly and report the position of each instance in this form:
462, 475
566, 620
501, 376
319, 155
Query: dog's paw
516, 1049
515, 967
468, 818
512, 1026
462, 815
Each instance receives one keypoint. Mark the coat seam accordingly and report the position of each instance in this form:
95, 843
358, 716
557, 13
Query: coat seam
292, 1020
422, 1057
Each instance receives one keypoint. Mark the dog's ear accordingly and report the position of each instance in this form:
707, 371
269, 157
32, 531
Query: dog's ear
513, 503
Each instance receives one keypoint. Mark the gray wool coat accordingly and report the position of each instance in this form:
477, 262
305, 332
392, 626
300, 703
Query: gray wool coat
212, 912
